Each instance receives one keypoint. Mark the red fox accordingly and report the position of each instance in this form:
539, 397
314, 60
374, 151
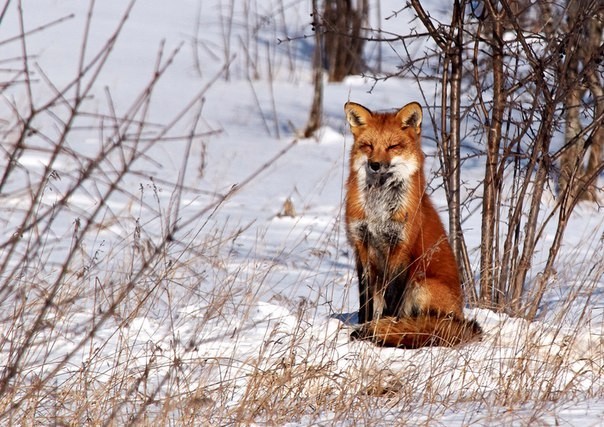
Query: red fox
409, 288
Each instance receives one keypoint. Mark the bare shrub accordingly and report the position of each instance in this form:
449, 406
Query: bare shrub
517, 90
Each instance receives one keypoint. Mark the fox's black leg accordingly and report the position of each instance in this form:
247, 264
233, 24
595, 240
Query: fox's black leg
365, 300
395, 294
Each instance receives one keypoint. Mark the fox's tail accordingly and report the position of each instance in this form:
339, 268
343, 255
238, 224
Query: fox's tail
420, 331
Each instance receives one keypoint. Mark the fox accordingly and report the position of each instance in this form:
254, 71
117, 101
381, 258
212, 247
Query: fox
410, 293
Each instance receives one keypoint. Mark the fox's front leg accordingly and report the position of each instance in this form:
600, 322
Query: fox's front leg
365, 295
377, 297
372, 302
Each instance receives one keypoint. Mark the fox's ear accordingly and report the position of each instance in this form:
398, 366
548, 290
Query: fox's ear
411, 116
356, 114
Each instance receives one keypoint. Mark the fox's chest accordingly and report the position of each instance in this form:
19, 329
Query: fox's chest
381, 227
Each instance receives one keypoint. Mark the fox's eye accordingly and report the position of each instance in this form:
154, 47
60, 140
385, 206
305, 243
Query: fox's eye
366, 146
394, 146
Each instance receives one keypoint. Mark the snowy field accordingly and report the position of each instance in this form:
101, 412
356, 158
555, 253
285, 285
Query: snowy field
149, 273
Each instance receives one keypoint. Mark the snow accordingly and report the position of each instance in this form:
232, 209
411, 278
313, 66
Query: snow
245, 298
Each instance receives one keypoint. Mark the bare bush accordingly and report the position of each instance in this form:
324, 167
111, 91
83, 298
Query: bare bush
518, 82
55, 265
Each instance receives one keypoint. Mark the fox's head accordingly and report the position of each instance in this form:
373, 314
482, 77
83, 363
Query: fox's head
386, 145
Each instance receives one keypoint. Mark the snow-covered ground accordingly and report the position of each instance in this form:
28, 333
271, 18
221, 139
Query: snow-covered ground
243, 314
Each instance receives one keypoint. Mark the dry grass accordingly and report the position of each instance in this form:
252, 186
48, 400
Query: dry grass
220, 362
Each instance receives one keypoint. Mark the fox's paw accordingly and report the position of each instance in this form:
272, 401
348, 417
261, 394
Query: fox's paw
361, 332
474, 330
364, 331
357, 333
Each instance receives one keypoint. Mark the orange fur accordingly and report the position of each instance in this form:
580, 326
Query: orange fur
419, 331
408, 279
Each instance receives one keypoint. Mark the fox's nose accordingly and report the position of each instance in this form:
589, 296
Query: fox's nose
377, 167
378, 173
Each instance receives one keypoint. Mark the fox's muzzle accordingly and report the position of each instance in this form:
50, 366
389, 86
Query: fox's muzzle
377, 173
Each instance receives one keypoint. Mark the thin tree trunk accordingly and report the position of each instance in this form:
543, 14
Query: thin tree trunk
491, 180
316, 110
539, 157
583, 68
343, 42
454, 153
594, 83
596, 155
570, 162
